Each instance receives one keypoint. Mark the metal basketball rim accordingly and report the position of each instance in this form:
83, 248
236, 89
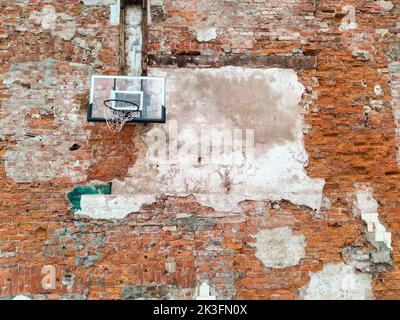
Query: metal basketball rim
119, 116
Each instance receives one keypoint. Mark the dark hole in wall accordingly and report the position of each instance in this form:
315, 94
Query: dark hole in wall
74, 147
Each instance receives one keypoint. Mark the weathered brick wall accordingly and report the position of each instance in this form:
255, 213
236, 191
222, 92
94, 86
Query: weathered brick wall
48, 50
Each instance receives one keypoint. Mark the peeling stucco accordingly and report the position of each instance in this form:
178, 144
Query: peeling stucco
362, 55
75, 196
385, 5
349, 22
134, 39
99, 2
279, 248
43, 93
338, 282
115, 13
199, 237
111, 207
192, 223
374, 260
21, 297
205, 34
216, 98
59, 24
205, 291
367, 207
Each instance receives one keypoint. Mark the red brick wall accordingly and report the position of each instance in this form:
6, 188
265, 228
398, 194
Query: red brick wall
37, 228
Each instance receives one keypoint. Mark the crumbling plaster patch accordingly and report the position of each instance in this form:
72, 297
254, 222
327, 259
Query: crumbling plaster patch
374, 260
115, 13
154, 292
115, 9
46, 86
75, 196
112, 207
205, 34
362, 55
385, 5
231, 98
21, 297
98, 2
59, 24
349, 22
338, 282
204, 291
134, 39
367, 207
228, 21
44, 91
43, 159
279, 248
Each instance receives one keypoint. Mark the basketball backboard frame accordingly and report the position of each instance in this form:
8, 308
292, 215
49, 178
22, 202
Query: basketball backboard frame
115, 84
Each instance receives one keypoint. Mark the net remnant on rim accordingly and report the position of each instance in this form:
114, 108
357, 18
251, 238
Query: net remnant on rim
117, 118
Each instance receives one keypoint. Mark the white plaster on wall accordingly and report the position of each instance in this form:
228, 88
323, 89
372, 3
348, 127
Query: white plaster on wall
45, 155
378, 90
385, 5
382, 32
134, 39
279, 248
205, 34
204, 292
156, 2
349, 22
43, 159
170, 265
367, 206
111, 207
59, 24
98, 2
115, 13
115, 9
231, 98
338, 282
21, 297
6, 255
286, 27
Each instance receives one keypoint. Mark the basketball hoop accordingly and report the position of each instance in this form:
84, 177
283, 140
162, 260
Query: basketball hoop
118, 100
117, 116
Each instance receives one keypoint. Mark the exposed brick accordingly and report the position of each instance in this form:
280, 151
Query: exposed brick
352, 136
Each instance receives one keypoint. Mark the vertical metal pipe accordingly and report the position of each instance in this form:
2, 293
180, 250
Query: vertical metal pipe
122, 36
145, 32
